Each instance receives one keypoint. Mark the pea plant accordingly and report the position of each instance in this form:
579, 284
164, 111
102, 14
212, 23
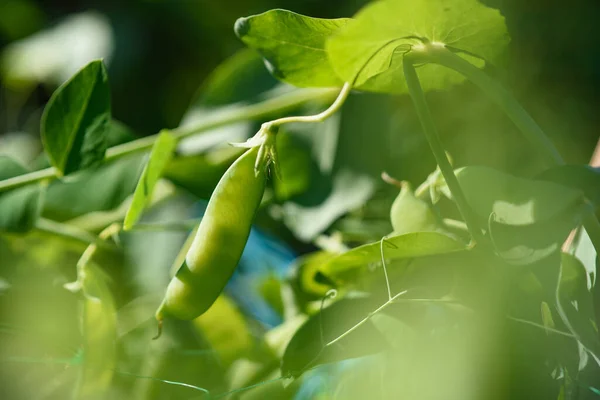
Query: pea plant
482, 286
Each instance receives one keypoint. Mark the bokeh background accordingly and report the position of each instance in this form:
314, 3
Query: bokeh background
161, 57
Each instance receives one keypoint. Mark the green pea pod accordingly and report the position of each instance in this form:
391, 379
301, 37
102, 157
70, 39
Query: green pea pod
219, 242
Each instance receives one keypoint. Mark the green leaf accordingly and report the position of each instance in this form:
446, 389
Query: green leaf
513, 200
306, 269
161, 154
368, 51
293, 45
294, 165
410, 245
199, 174
241, 77
582, 177
20, 208
99, 333
75, 120
308, 346
100, 189
411, 214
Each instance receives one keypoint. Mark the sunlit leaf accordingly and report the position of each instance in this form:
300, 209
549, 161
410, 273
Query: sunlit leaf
368, 51
161, 154
19, 208
406, 246
293, 45
76, 119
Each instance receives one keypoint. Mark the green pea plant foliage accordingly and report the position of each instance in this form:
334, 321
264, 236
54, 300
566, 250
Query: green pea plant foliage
468, 288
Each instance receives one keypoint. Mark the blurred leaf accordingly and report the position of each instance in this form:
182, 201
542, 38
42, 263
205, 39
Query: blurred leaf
349, 191
527, 219
306, 269
294, 166
411, 214
368, 51
410, 245
19, 208
55, 54
226, 330
19, 18
582, 177
99, 334
75, 120
293, 45
546, 316
308, 348
199, 174
514, 201
240, 77
100, 189
160, 156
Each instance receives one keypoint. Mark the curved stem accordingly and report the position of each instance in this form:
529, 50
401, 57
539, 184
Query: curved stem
418, 97
256, 111
332, 109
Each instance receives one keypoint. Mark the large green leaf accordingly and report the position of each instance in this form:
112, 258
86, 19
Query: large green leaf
410, 245
368, 51
76, 119
293, 45
100, 189
161, 154
20, 208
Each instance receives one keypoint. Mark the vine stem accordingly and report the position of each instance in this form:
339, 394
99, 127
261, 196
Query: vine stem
257, 111
69, 232
418, 96
320, 117
365, 319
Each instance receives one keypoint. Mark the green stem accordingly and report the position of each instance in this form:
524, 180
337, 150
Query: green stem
418, 97
69, 232
496, 92
258, 111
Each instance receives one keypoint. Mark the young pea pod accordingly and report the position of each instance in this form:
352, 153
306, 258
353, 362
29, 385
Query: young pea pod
219, 242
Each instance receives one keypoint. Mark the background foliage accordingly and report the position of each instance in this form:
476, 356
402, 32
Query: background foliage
175, 62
